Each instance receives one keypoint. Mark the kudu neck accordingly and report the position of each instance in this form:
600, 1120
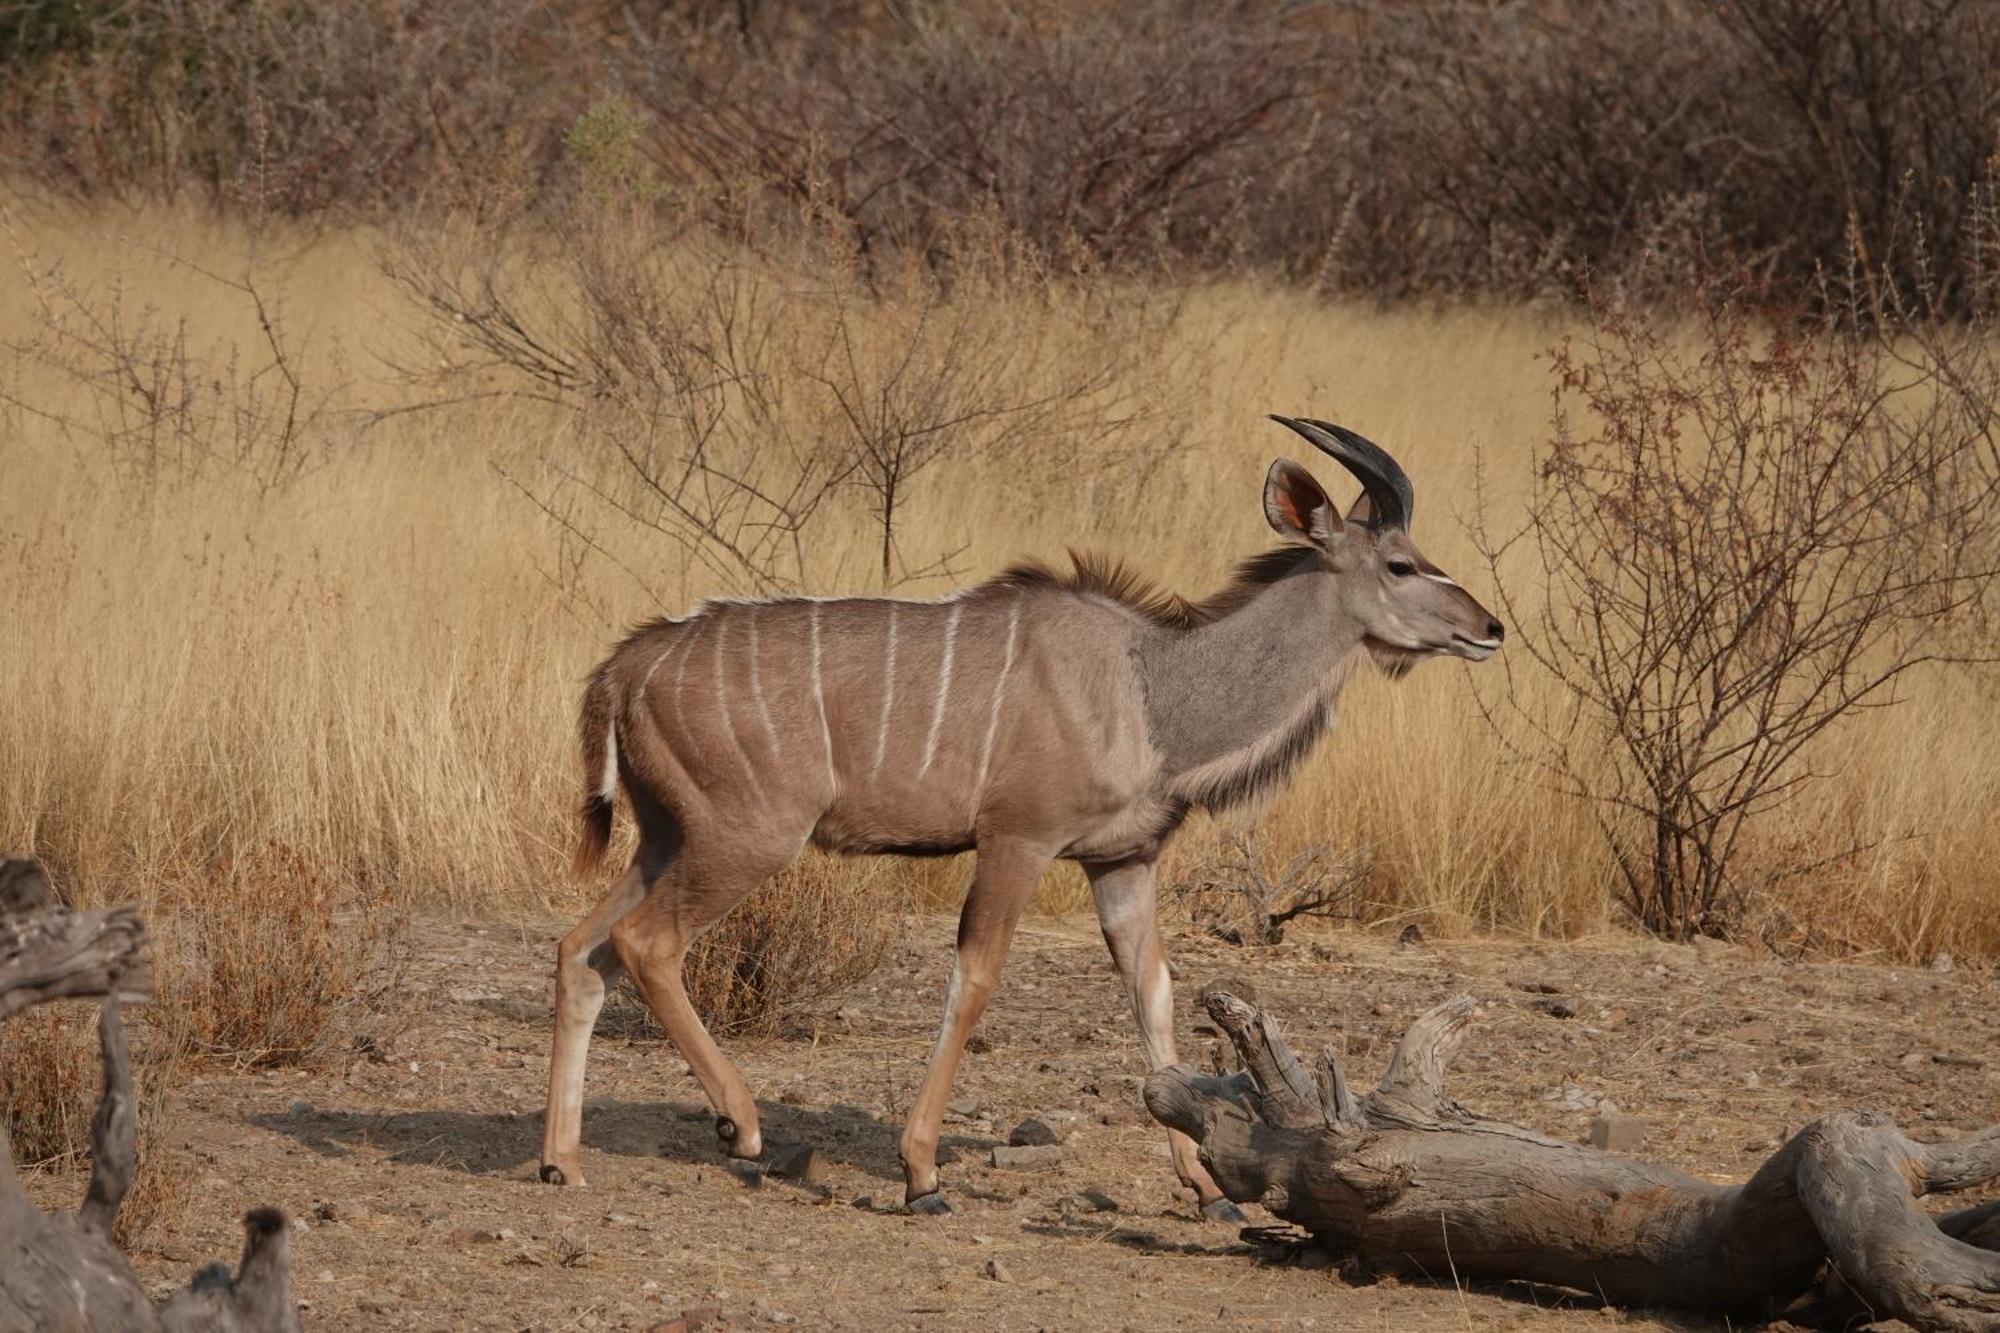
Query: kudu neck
1223, 687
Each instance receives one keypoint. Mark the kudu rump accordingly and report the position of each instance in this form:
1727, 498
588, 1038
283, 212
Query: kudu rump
1032, 717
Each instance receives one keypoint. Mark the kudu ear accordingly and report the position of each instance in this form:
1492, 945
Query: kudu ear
1296, 506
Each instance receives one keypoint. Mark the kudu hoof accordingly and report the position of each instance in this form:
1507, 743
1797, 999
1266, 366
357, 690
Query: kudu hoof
933, 1204
1222, 1210
553, 1174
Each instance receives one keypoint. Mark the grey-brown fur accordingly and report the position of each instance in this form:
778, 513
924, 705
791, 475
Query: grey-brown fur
1035, 717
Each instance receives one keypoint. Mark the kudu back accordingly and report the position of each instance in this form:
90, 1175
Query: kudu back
1036, 716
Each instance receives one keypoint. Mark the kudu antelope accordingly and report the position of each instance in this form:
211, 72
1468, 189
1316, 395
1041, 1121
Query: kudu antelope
1032, 717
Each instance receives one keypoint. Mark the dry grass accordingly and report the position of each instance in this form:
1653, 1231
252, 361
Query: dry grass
376, 665
50, 1075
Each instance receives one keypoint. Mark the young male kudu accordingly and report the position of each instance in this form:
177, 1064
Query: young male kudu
1031, 717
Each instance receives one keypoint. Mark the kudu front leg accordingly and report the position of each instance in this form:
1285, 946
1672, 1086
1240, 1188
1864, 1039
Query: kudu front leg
1128, 910
1002, 882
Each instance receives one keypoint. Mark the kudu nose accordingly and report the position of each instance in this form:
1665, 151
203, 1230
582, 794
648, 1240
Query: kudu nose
1495, 630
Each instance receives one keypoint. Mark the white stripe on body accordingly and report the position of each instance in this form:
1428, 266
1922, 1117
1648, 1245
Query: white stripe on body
819, 702
728, 721
757, 690
999, 698
888, 694
944, 688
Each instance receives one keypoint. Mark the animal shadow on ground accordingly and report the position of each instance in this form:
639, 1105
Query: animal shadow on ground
504, 1144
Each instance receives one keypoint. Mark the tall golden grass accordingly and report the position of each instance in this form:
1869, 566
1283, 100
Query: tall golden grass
376, 666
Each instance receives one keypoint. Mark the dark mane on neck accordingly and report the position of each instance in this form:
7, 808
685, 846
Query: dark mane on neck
1108, 577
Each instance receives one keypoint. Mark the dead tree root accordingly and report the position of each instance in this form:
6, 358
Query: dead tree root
1405, 1180
62, 1271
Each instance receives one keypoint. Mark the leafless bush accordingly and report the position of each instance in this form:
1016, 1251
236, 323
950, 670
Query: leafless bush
814, 930
671, 353
1745, 538
1540, 146
738, 396
159, 404
1386, 146
1240, 897
299, 109
1126, 133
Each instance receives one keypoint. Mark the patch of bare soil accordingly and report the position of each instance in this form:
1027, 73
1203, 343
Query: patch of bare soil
413, 1172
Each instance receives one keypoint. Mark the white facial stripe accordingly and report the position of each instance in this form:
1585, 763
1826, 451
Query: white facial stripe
944, 687
1445, 579
999, 697
888, 693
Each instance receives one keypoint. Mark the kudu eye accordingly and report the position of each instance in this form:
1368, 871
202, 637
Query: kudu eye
1402, 568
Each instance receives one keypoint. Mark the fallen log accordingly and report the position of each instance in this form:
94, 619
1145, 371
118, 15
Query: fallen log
61, 1271
1404, 1180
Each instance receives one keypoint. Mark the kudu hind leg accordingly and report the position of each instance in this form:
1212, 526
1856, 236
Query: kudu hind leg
586, 965
1003, 880
1128, 910
652, 941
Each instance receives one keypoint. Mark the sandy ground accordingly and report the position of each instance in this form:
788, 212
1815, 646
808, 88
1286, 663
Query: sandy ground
413, 1176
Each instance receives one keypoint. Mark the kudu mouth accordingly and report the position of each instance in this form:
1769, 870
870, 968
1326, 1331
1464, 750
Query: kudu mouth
1474, 650
1478, 649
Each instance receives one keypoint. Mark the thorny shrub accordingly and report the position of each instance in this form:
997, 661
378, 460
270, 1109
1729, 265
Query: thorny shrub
798, 941
262, 966
157, 405
1745, 536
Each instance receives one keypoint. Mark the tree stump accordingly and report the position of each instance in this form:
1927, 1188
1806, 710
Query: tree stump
61, 1271
1407, 1181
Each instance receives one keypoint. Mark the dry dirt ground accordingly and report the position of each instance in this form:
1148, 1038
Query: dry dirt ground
413, 1176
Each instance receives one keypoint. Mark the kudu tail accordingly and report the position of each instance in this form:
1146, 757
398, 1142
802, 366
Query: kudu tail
598, 729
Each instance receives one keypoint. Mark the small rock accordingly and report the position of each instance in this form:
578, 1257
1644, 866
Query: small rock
1617, 1132
1043, 1157
306, 1108
802, 1163
618, 1219
1538, 988
1554, 1006
997, 1271
964, 1106
701, 1316
1383, 1009
1940, 961
1090, 1201
326, 1211
1034, 1134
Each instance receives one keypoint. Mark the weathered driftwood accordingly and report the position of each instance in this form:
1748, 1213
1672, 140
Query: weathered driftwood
62, 1271
1406, 1180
